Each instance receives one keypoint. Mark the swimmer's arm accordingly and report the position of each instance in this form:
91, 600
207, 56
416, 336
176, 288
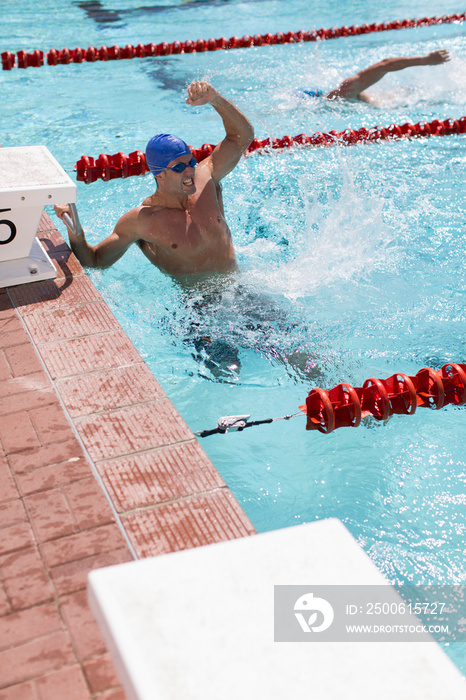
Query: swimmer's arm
351, 87
239, 130
108, 251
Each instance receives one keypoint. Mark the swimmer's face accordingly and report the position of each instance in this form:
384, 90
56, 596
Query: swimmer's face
180, 183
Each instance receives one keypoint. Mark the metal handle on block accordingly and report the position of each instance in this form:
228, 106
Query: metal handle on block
71, 219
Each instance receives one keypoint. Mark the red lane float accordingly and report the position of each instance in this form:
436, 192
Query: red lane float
400, 394
112, 53
109, 167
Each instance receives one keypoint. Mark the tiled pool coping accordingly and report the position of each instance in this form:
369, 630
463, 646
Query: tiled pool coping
96, 467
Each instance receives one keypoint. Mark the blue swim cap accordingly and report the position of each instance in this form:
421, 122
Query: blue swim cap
312, 92
162, 149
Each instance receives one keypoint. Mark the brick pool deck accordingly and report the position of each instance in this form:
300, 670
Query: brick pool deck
96, 468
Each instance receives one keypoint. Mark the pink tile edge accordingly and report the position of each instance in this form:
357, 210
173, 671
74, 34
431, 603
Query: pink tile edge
241, 527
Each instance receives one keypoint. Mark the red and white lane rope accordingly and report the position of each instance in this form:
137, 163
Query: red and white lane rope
54, 57
109, 167
345, 405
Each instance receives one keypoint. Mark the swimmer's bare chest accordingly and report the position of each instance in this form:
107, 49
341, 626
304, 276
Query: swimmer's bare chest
189, 241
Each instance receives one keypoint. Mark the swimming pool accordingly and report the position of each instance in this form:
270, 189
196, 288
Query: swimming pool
352, 260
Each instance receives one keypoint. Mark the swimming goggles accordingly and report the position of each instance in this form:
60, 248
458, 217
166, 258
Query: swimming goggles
181, 167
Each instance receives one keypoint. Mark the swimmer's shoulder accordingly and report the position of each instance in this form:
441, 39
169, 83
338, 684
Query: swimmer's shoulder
133, 224
152, 209
151, 222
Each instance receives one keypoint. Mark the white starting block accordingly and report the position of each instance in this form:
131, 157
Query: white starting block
30, 178
199, 624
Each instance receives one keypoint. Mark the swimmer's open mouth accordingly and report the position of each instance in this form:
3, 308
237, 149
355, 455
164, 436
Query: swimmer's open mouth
188, 182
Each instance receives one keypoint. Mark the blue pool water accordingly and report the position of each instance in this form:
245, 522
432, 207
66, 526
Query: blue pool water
352, 260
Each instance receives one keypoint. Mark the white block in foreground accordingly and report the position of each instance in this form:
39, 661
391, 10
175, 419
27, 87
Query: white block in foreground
199, 625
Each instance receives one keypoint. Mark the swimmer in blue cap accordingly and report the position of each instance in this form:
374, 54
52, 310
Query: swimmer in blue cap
354, 88
181, 227
162, 149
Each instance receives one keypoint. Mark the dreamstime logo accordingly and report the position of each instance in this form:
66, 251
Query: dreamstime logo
307, 603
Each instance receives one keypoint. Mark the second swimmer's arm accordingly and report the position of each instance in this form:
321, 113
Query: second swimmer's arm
351, 87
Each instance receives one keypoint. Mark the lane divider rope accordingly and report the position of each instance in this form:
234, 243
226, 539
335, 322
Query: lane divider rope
346, 406
65, 56
108, 167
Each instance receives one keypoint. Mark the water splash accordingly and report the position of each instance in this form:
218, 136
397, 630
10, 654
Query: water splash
343, 236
